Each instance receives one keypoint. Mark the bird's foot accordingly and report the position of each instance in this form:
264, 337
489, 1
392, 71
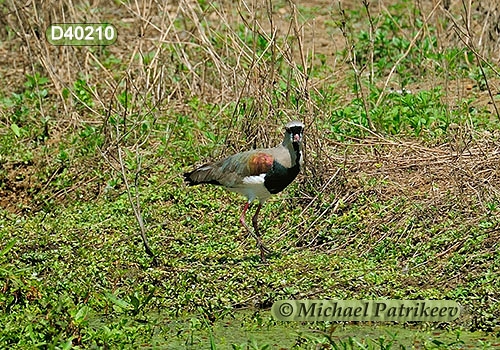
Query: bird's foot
244, 235
263, 257
264, 251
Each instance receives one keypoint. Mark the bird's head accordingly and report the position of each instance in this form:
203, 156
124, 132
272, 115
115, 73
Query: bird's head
294, 132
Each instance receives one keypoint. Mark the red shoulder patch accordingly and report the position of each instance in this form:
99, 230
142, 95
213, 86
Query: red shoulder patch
260, 163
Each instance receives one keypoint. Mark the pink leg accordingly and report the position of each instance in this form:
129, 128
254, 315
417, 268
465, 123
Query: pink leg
242, 217
263, 250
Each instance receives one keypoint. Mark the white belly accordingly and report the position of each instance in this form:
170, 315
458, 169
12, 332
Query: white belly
253, 187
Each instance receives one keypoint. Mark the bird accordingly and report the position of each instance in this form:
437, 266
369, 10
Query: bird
256, 174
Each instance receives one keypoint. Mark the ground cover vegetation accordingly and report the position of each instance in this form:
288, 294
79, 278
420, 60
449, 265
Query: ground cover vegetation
103, 246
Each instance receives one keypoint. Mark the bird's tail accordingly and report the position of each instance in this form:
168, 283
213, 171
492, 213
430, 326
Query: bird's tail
201, 175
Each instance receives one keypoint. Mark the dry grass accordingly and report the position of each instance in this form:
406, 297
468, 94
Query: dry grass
448, 186
171, 53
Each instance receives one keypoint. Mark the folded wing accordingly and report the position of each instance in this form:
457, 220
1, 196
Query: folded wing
232, 171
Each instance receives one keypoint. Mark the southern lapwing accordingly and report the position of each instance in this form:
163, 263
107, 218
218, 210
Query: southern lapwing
256, 174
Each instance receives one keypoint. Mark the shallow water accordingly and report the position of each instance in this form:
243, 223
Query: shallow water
248, 331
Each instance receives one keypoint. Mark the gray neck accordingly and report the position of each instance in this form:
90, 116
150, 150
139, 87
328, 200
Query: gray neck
295, 149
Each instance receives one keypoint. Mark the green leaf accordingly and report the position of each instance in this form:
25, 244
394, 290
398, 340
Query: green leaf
212, 342
65, 93
68, 344
117, 301
134, 300
8, 247
16, 129
81, 314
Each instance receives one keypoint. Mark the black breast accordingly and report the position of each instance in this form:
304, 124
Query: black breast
279, 177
